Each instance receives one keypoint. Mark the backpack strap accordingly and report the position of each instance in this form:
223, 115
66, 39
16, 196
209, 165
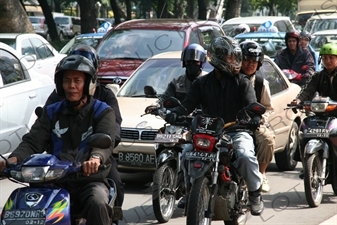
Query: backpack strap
258, 87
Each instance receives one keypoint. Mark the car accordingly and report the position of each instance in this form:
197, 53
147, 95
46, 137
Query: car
130, 43
40, 27
271, 43
71, 25
21, 91
282, 23
302, 17
91, 39
321, 22
40, 54
136, 151
320, 38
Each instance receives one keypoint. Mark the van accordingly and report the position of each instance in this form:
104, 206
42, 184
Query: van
321, 22
301, 18
71, 25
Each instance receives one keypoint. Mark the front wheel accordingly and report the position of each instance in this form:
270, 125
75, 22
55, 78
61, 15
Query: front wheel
198, 202
163, 197
312, 182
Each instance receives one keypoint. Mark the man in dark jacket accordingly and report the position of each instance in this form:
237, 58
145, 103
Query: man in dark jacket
224, 93
65, 126
296, 58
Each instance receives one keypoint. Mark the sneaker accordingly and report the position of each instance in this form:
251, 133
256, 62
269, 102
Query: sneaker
182, 203
265, 185
256, 205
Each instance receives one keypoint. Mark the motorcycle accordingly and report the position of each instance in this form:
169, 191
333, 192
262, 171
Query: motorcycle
42, 202
218, 191
168, 181
319, 156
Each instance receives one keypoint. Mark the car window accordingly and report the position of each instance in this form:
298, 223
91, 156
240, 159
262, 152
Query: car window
281, 26
218, 32
8, 41
276, 81
194, 37
27, 48
206, 37
140, 44
62, 20
318, 41
42, 50
308, 26
10, 68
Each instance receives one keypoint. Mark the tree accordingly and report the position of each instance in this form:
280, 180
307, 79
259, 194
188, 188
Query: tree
285, 6
88, 15
49, 20
233, 9
13, 18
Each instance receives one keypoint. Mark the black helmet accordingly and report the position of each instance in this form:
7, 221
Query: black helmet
292, 34
305, 34
221, 47
252, 50
78, 63
194, 52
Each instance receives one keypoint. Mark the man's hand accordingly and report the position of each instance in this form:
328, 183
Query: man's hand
298, 77
91, 166
295, 102
254, 123
10, 160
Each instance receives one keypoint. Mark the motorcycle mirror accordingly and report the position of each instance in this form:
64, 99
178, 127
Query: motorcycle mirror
99, 140
171, 102
149, 91
38, 111
256, 108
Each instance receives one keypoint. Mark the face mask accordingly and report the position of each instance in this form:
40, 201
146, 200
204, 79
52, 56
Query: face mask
192, 71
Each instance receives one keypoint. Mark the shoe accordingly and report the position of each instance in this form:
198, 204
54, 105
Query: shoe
256, 203
182, 203
265, 185
301, 176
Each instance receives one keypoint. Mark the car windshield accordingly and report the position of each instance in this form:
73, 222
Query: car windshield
321, 24
92, 41
157, 73
61, 20
270, 45
8, 41
34, 19
229, 29
140, 44
319, 40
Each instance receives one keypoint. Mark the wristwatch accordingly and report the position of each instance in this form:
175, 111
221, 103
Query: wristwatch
96, 157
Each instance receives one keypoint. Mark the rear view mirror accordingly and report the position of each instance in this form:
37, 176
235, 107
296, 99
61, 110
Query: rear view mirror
256, 108
99, 140
171, 103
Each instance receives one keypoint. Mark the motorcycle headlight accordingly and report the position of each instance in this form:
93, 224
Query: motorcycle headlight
34, 174
318, 107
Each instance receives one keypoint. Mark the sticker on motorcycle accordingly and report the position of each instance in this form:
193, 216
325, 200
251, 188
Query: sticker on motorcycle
316, 133
168, 138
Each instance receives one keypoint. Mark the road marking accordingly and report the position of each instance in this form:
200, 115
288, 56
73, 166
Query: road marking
331, 221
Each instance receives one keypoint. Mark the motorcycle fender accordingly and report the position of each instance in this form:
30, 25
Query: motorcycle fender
166, 155
56, 201
315, 145
196, 173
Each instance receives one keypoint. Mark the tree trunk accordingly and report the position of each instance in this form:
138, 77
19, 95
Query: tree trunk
117, 10
233, 9
190, 9
88, 14
179, 8
14, 19
271, 8
128, 10
202, 10
162, 11
57, 5
49, 20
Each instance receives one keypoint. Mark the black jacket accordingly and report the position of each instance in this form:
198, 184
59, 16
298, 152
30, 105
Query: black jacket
103, 94
320, 82
223, 98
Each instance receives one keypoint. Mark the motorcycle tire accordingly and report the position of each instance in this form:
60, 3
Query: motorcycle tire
163, 198
312, 185
198, 202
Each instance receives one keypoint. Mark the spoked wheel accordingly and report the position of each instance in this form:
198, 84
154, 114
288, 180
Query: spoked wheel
312, 183
163, 197
198, 203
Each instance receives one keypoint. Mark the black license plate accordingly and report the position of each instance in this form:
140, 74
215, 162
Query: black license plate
136, 159
316, 133
203, 156
168, 138
19, 217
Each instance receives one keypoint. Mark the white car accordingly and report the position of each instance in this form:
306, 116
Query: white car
21, 91
136, 151
40, 54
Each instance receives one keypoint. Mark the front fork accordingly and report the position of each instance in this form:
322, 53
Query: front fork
316, 145
214, 188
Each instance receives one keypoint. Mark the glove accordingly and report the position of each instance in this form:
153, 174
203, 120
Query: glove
254, 123
298, 77
171, 118
151, 108
305, 67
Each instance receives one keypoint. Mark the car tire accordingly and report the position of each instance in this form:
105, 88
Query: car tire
285, 159
61, 36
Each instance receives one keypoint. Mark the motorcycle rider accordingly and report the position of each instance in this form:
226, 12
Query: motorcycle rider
323, 82
65, 125
305, 38
252, 59
296, 58
193, 58
223, 92
104, 94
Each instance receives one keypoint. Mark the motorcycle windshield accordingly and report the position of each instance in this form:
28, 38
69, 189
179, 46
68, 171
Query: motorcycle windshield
207, 125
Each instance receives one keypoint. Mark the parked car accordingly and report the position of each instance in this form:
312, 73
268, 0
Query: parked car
301, 18
282, 23
91, 39
40, 54
320, 38
129, 44
136, 152
40, 27
321, 22
71, 25
21, 91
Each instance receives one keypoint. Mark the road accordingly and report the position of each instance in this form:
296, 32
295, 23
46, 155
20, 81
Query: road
284, 204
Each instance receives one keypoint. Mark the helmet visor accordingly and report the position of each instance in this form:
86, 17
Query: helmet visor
88, 55
234, 58
194, 54
251, 58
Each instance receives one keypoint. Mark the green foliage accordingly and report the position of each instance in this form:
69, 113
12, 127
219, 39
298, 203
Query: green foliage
285, 7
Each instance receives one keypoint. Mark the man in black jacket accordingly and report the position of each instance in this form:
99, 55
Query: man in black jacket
223, 92
65, 126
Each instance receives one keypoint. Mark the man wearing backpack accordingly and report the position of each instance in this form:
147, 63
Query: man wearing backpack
252, 59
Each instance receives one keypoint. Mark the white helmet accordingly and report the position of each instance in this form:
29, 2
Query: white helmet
242, 28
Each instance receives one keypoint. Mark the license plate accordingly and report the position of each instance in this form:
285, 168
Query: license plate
168, 138
24, 216
316, 132
136, 159
203, 156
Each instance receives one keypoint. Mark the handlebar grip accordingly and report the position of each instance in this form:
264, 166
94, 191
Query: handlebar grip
102, 167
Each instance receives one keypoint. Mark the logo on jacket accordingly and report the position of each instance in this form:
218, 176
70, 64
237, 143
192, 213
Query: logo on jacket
57, 131
87, 133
